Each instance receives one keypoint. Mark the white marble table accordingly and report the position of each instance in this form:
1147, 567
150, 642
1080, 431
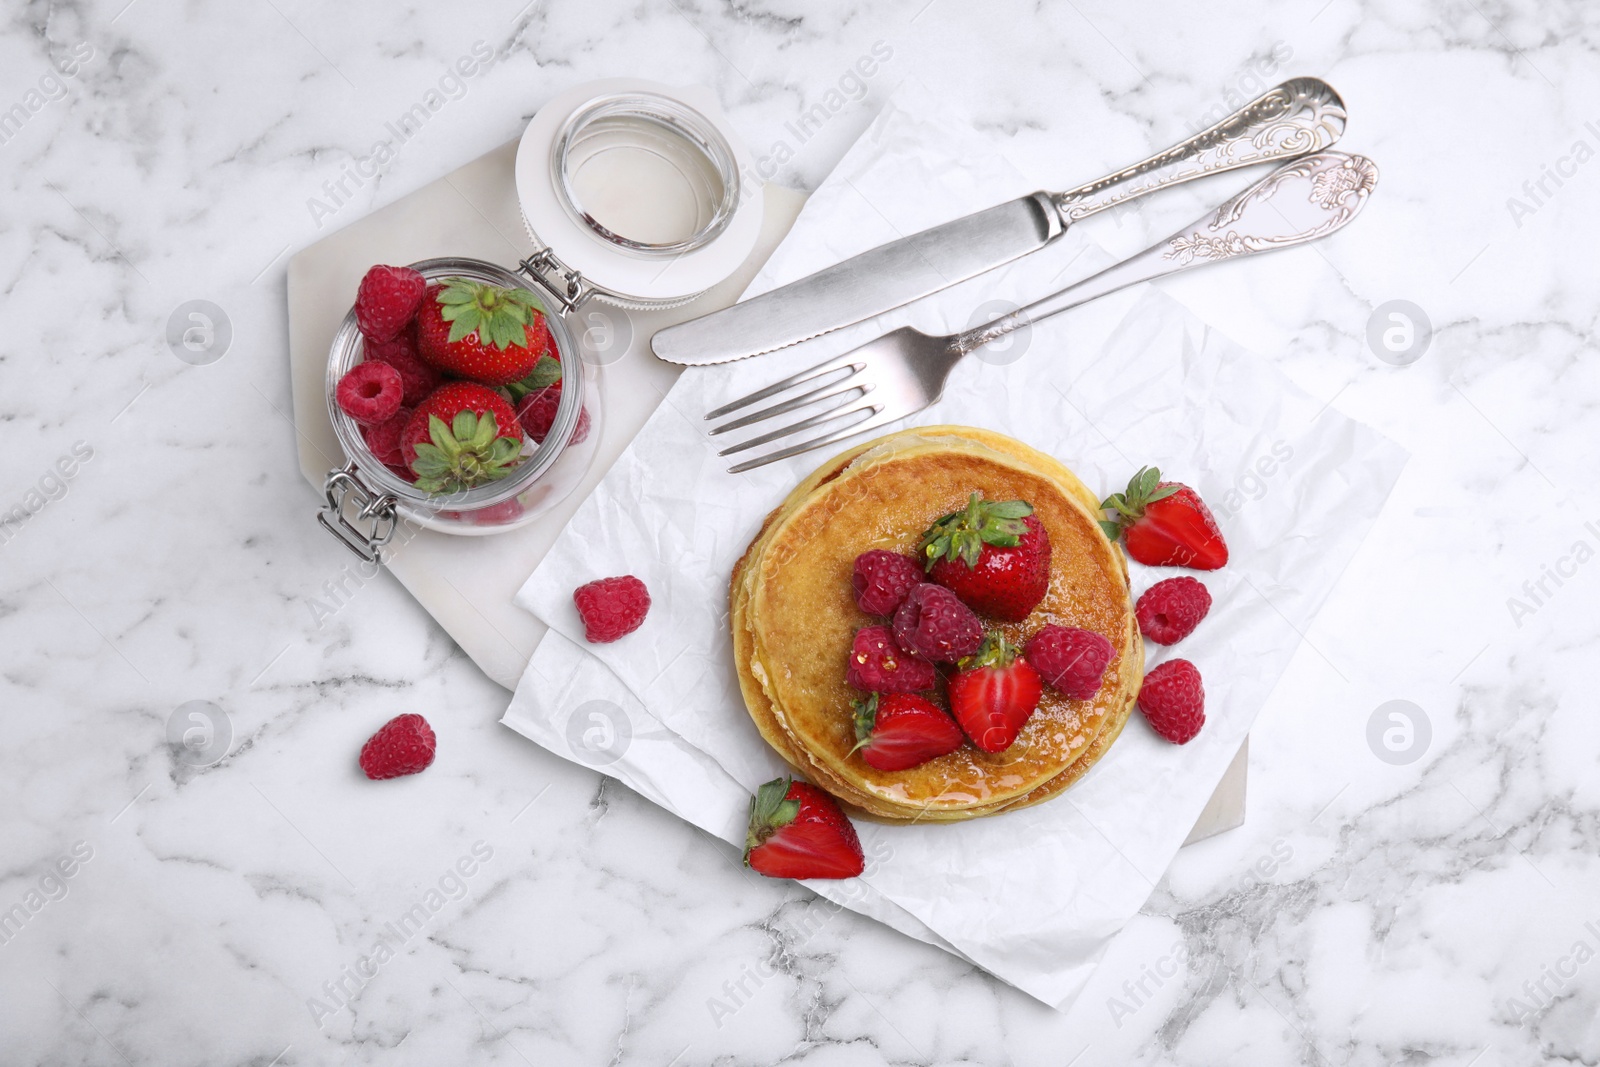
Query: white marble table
1370, 911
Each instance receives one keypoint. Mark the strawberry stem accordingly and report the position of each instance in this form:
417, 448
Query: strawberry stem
995, 652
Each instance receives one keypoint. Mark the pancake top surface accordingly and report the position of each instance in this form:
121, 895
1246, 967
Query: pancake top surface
803, 613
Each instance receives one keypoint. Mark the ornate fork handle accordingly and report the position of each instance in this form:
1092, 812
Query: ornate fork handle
1299, 202
1300, 116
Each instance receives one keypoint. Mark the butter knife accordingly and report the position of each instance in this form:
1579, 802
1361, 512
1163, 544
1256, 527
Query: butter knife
1301, 116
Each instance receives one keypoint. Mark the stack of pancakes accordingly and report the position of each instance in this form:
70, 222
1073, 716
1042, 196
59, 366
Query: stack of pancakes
794, 615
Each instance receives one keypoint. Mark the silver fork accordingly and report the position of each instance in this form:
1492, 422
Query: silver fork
905, 370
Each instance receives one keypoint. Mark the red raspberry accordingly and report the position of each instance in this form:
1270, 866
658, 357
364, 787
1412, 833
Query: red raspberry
1171, 609
387, 300
879, 666
384, 438
537, 413
507, 511
933, 623
1174, 701
370, 392
400, 352
403, 745
1072, 661
611, 607
882, 579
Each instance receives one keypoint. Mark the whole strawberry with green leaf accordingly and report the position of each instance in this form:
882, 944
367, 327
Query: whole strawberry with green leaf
994, 555
481, 332
462, 436
1164, 524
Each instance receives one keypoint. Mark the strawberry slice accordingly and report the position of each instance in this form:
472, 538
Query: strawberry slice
994, 694
1164, 524
798, 831
995, 556
898, 731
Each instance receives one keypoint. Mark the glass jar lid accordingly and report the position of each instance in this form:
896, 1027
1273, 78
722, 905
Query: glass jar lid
646, 172
637, 193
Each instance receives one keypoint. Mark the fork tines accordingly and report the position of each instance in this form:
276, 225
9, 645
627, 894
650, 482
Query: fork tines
835, 383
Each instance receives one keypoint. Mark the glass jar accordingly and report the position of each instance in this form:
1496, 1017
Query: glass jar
368, 505
633, 194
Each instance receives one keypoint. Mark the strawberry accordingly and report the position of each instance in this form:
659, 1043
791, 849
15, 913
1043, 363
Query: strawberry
1164, 524
994, 555
798, 831
994, 694
386, 300
403, 745
897, 731
481, 332
462, 435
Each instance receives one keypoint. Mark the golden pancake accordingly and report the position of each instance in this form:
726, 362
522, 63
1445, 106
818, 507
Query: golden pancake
767, 720
794, 614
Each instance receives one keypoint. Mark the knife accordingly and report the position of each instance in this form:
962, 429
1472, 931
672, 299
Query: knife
1301, 116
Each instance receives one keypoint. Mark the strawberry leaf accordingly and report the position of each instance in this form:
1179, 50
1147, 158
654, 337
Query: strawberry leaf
545, 373
866, 717
466, 452
499, 316
962, 534
770, 810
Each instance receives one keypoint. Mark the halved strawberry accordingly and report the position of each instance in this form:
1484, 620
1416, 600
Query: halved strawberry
1164, 524
994, 694
798, 831
995, 556
897, 731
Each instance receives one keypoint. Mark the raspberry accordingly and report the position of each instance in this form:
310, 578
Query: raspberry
882, 579
403, 745
384, 438
1174, 701
1072, 661
1171, 609
370, 392
507, 511
879, 666
933, 623
387, 300
611, 607
400, 352
537, 413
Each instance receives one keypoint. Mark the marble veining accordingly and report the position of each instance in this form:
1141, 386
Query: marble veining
1370, 911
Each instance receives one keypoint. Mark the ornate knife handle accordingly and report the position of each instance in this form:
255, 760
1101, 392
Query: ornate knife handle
1299, 202
1302, 115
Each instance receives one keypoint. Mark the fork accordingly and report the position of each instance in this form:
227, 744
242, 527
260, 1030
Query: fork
905, 370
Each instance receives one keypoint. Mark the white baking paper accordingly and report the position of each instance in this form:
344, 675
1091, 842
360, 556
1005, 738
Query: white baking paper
1033, 896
